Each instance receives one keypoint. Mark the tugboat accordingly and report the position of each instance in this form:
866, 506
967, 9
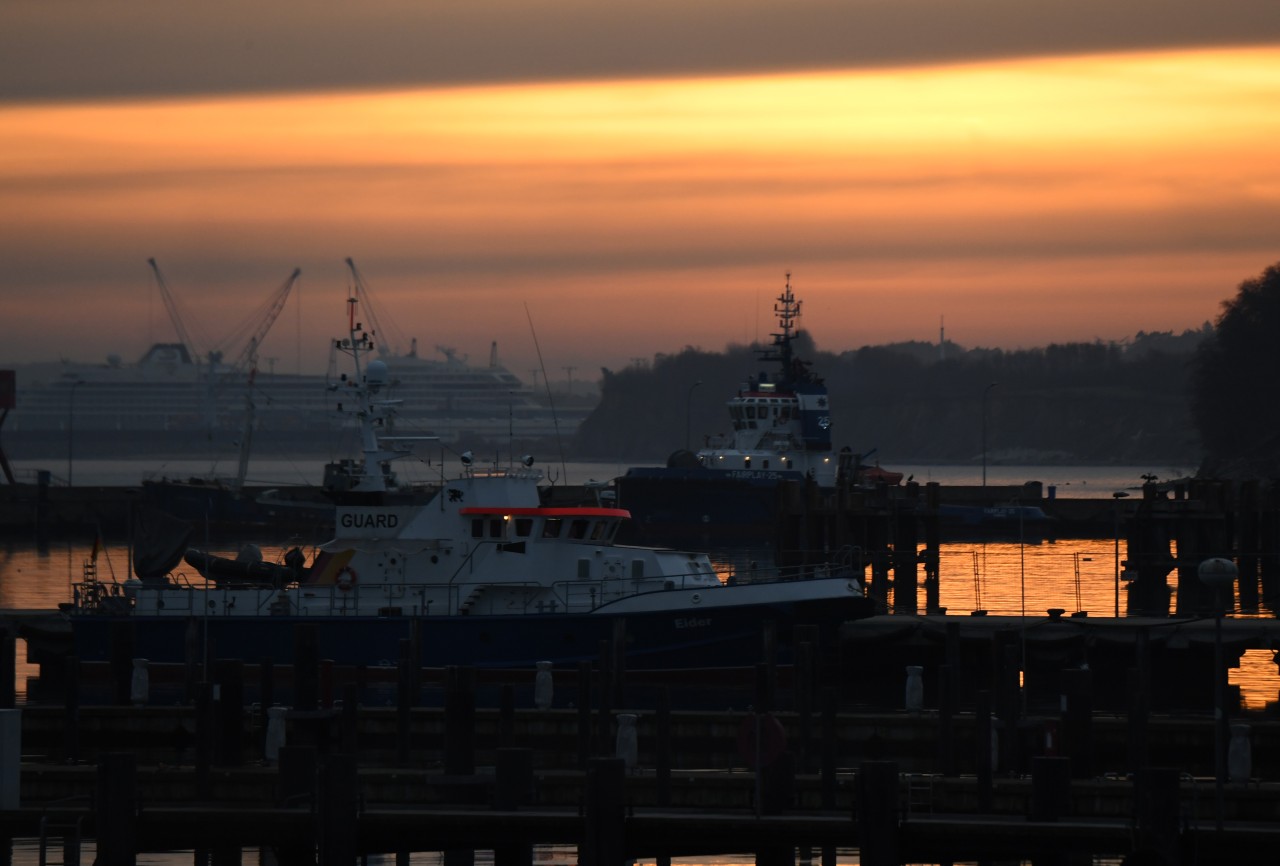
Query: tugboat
471, 570
727, 493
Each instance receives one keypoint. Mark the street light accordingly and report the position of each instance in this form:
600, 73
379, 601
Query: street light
71, 400
1117, 496
1219, 574
688, 413
985, 392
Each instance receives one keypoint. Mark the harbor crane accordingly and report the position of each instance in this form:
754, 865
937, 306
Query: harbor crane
255, 327
175, 316
265, 317
220, 375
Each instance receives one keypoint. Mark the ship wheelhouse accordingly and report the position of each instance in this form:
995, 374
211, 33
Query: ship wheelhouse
585, 525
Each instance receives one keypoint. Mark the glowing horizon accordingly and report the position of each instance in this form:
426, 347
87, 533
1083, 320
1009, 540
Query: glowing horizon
1027, 202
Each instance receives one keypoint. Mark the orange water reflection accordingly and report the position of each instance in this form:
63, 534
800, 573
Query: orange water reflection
1003, 578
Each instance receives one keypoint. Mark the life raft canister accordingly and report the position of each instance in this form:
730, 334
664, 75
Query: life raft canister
346, 579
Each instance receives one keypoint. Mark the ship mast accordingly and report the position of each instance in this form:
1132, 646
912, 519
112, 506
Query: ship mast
787, 309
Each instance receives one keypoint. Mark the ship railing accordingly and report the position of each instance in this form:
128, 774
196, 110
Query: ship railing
841, 566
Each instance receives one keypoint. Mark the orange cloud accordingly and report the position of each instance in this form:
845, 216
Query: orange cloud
1028, 201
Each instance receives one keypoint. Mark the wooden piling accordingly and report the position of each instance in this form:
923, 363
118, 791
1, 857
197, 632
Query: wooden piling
604, 829
405, 699
618, 663
983, 753
1139, 717
905, 544
877, 813
946, 720
296, 776
349, 722
71, 710
121, 662
507, 716
460, 721
513, 778
116, 808
1077, 721
336, 811
662, 748
306, 667
777, 784
8, 668
604, 709
585, 751
266, 696
830, 703
205, 725
1050, 788
1157, 817
228, 748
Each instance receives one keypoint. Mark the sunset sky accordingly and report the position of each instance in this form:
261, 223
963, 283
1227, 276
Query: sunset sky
625, 179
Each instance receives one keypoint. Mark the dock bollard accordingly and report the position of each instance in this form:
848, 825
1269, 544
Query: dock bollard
1239, 754
10, 758
275, 734
543, 686
915, 689
627, 747
140, 684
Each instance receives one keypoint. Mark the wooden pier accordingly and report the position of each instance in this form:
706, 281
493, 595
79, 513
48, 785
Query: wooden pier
512, 778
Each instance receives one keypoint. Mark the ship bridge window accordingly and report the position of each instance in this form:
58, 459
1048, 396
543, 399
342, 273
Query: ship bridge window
598, 529
477, 527
578, 528
551, 529
497, 527
524, 527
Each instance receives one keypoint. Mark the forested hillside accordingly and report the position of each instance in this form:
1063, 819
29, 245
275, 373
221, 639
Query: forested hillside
1075, 403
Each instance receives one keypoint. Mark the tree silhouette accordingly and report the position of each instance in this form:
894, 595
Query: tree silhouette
1235, 388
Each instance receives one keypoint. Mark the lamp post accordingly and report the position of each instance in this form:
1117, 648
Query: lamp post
688, 413
985, 392
1219, 574
71, 401
1117, 496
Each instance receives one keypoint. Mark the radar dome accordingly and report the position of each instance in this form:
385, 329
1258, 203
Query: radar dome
377, 375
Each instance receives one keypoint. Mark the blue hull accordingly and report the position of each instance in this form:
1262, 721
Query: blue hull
670, 640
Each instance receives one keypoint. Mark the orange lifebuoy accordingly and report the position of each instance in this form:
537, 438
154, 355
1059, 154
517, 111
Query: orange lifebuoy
346, 579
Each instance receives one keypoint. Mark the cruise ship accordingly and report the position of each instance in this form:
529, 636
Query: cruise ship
176, 402
169, 403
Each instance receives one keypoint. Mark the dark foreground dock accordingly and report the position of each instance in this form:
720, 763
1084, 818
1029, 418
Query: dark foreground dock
898, 786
